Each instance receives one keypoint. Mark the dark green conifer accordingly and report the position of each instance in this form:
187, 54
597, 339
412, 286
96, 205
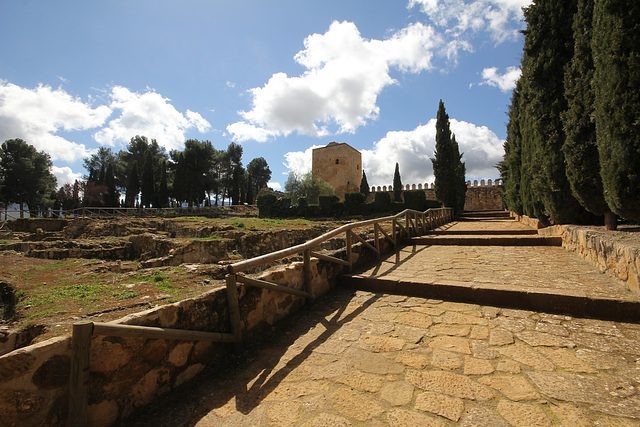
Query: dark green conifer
580, 146
397, 185
449, 170
616, 54
547, 49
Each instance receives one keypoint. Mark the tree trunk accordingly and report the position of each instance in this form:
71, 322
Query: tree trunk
610, 221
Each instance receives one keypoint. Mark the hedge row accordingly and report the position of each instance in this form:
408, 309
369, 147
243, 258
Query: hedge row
270, 206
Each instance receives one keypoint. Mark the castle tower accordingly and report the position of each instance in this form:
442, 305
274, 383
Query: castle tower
340, 165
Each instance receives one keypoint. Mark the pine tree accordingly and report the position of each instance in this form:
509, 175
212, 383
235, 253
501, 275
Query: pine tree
547, 49
397, 185
448, 168
616, 53
148, 182
364, 185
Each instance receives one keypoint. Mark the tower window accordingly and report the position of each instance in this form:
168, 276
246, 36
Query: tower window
337, 161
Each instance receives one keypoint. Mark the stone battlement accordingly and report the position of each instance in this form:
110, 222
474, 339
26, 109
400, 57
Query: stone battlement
427, 186
482, 196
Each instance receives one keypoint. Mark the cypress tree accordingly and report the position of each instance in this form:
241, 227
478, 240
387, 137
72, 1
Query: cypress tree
580, 146
364, 185
511, 164
616, 53
397, 185
148, 183
448, 168
548, 47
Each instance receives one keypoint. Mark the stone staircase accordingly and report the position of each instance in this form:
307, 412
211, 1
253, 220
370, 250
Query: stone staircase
487, 258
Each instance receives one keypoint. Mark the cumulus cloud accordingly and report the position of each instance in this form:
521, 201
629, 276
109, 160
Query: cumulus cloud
148, 114
338, 92
505, 82
501, 19
299, 162
65, 175
39, 115
412, 150
36, 115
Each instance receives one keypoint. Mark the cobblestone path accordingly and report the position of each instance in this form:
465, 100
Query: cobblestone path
361, 358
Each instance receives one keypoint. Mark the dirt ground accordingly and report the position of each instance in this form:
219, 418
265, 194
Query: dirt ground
53, 294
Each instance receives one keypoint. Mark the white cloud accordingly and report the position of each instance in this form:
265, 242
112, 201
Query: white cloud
148, 114
501, 19
412, 150
339, 90
505, 82
65, 175
274, 185
36, 115
299, 162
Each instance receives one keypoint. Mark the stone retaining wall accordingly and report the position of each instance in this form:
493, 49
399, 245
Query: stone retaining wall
127, 373
617, 257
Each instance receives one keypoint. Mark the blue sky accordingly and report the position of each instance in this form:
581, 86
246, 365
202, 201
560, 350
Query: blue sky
278, 77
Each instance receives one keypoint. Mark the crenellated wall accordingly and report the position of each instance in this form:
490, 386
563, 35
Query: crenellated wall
480, 196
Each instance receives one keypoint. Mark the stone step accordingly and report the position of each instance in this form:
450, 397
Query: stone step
488, 240
486, 214
571, 303
530, 232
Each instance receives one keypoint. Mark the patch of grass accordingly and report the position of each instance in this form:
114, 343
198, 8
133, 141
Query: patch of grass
238, 224
123, 295
52, 295
214, 237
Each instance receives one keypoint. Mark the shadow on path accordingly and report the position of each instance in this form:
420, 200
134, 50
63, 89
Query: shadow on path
246, 380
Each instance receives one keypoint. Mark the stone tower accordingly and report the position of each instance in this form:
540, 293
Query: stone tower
340, 165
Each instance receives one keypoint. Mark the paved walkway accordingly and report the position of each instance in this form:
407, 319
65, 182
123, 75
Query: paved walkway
361, 358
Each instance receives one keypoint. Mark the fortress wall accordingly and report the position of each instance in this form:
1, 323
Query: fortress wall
479, 196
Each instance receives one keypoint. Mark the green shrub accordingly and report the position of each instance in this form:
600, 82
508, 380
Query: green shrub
415, 199
382, 201
353, 203
267, 205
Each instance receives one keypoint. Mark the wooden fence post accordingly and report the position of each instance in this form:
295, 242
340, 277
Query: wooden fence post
79, 376
306, 271
349, 240
234, 312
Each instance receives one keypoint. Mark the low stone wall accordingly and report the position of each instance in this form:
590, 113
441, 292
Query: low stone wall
127, 373
615, 256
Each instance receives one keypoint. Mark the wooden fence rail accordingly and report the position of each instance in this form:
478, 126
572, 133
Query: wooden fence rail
415, 223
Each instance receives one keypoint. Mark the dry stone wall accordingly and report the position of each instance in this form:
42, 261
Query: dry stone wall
618, 257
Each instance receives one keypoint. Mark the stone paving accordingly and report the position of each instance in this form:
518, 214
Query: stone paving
360, 358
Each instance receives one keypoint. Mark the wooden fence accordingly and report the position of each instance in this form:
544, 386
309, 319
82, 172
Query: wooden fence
405, 224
